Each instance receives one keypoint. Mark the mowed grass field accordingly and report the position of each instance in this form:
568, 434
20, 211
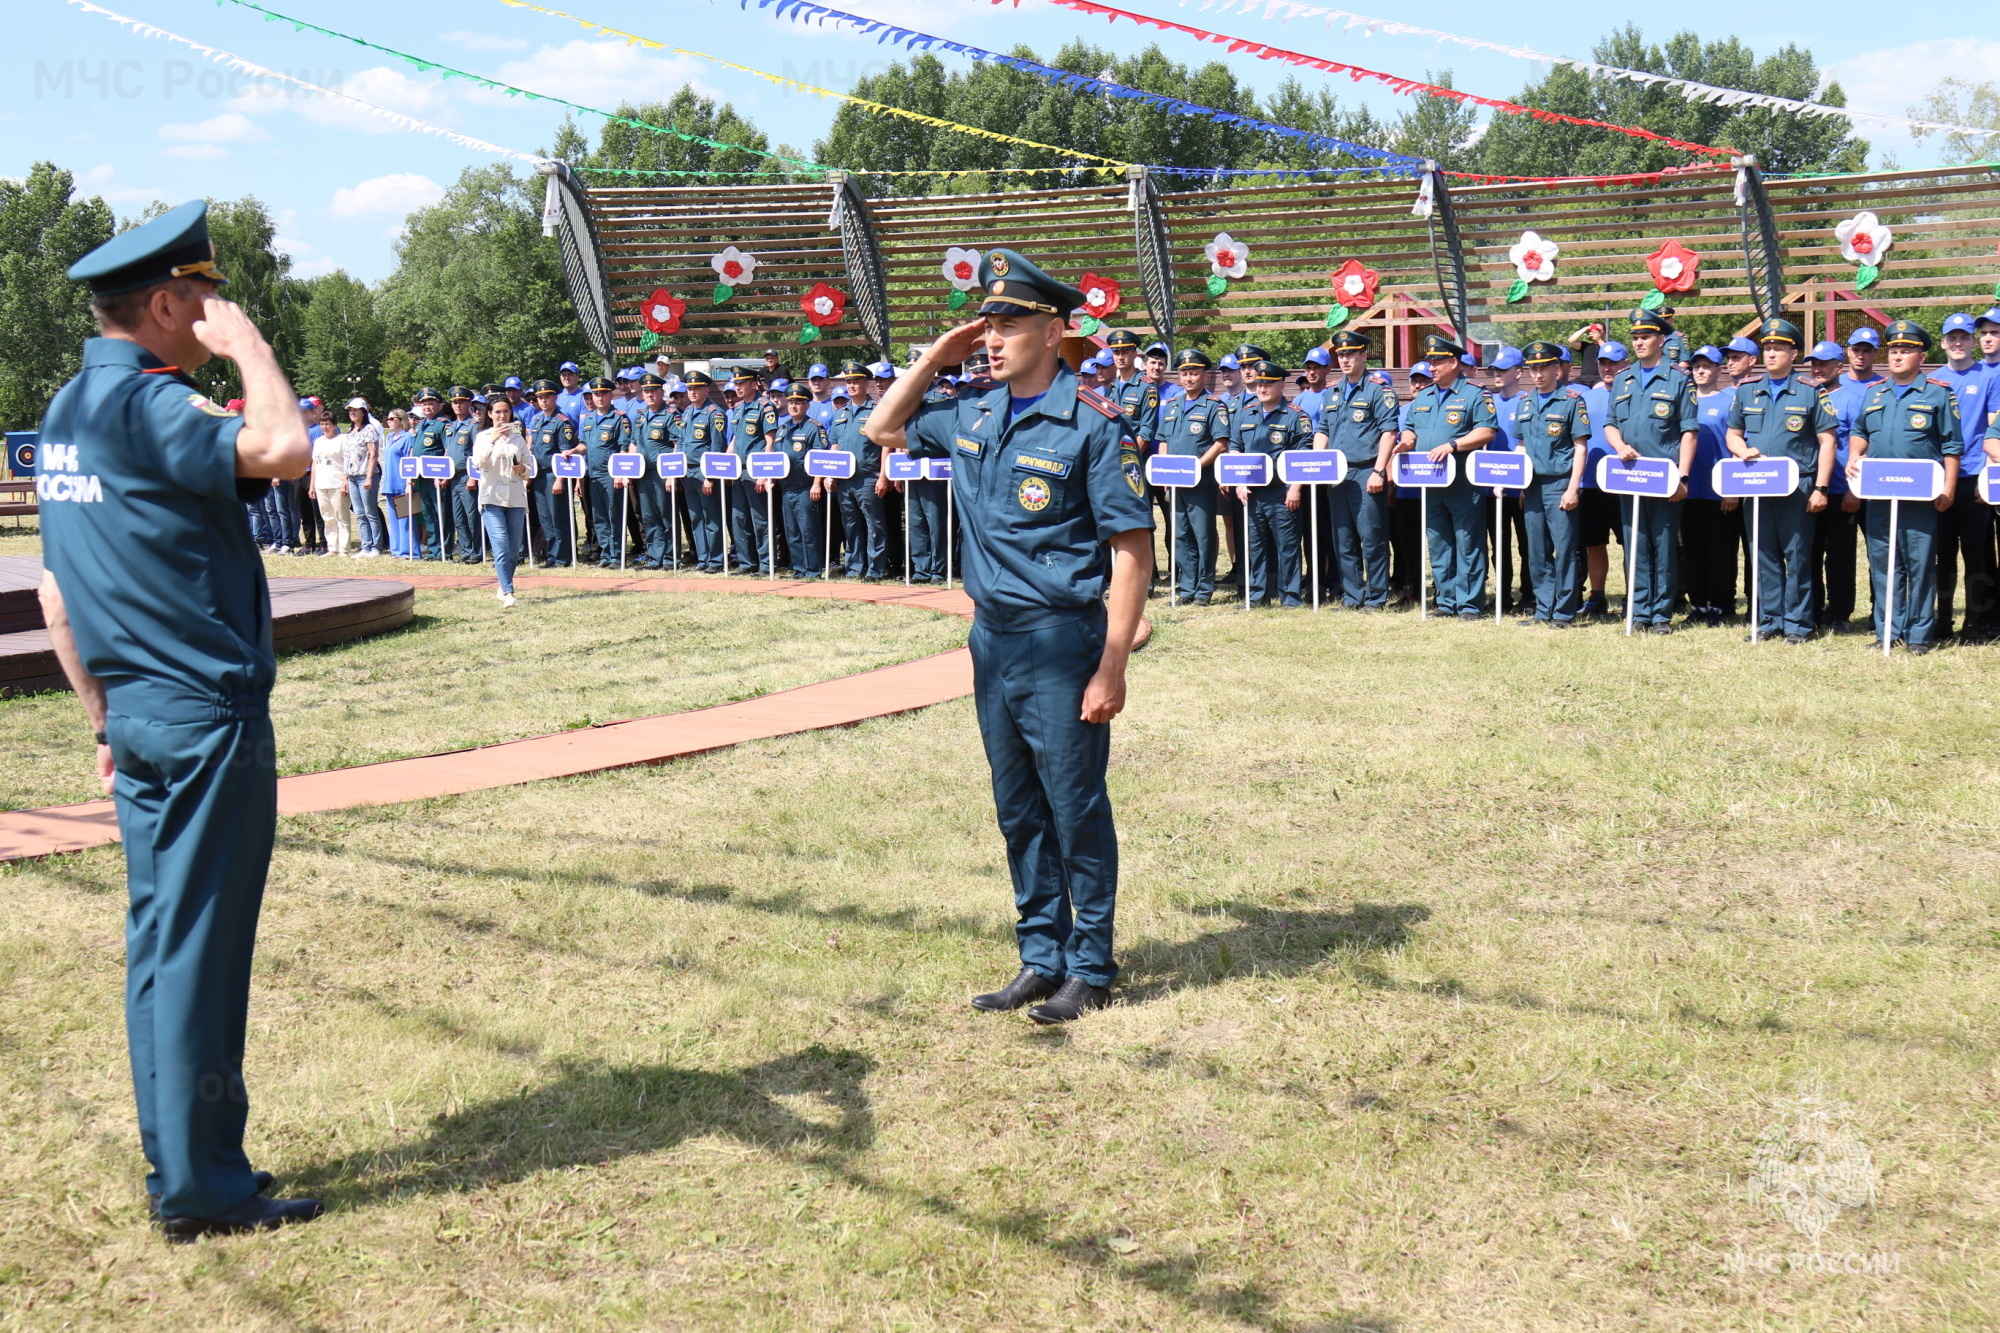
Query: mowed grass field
1464, 968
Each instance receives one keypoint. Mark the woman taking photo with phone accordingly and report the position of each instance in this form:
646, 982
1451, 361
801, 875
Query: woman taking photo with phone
500, 453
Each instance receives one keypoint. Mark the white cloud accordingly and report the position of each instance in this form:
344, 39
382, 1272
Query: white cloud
229, 127
601, 74
467, 40
195, 152
386, 196
1893, 79
307, 261
385, 87
103, 181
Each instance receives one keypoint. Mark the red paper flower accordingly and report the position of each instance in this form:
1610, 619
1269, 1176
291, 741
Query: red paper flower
1100, 296
1354, 285
1674, 267
662, 311
824, 305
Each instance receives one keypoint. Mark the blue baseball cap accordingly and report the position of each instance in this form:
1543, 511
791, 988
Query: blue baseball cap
568, 365
1960, 323
1864, 337
512, 382
1613, 352
1826, 350
1743, 345
1228, 362
1991, 316
1317, 356
1382, 378
1161, 348
884, 371
1507, 358
1422, 368
1707, 352
1567, 358
479, 398
779, 383
816, 371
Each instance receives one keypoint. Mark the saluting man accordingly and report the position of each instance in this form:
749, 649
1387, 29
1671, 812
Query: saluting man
1453, 416
655, 427
1782, 416
1047, 476
1908, 416
704, 430
860, 496
155, 602
554, 434
1653, 416
1553, 427
1357, 416
1195, 424
799, 494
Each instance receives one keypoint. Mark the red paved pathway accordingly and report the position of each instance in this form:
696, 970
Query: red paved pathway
833, 703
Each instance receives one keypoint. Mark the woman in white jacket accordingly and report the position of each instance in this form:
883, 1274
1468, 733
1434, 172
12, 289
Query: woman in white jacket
501, 454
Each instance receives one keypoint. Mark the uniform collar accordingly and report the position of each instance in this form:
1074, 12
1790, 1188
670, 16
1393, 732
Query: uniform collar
1058, 400
120, 352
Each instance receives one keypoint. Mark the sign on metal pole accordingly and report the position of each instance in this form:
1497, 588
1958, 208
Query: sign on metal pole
1752, 480
1897, 480
1641, 479
1500, 470
1173, 473
1423, 474
1244, 471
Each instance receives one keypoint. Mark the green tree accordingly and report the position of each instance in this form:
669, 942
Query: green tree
1319, 112
44, 317
478, 291
630, 148
341, 341
1782, 141
1962, 102
1438, 129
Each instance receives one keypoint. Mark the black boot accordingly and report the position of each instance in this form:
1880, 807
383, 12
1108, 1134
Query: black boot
255, 1213
1071, 1001
1026, 988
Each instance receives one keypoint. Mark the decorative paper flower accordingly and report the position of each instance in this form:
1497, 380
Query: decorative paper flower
1354, 285
662, 311
1674, 267
824, 305
1864, 240
1534, 258
733, 268
1227, 258
961, 268
1100, 296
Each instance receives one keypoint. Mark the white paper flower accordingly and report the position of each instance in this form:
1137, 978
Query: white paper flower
1670, 268
1534, 258
1863, 240
1227, 258
823, 305
961, 268
733, 268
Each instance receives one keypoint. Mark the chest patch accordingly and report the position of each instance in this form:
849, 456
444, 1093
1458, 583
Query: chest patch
700, 432
1053, 467
1555, 429
1033, 494
1360, 416
1919, 421
1453, 417
1277, 435
1661, 408
659, 432
1795, 423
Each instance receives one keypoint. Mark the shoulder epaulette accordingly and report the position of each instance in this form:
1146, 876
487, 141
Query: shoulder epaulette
1932, 379
1100, 402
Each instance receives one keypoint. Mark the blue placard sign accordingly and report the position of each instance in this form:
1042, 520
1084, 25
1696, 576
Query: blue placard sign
673, 465
937, 469
1418, 472
829, 463
1507, 469
1173, 470
436, 467
626, 467
22, 448
1312, 467
566, 465
472, 471
1735, 479
1243, 469
407, 469
1899, 479
1647, 478
769, 465
1989, 483
902, 467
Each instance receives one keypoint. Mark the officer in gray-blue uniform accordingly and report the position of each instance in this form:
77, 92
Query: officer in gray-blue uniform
1553, 428
751, 422
1653, 415
1783, 416
1453, 416
554, 434
656, 431
799, 493
429, 430
1047, 476
1137, 398
1357, 416
928, 530
1908, 415
1196, 425
704, 430
461, 503
1267, 424
861, 520
156, 604
605, 431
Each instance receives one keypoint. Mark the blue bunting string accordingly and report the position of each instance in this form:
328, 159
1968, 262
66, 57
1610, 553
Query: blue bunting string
803, 11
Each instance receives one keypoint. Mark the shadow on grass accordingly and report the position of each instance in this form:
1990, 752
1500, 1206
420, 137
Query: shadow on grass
592, 1113
1265, 941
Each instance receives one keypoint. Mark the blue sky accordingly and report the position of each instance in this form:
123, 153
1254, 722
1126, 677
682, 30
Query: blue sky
139, 118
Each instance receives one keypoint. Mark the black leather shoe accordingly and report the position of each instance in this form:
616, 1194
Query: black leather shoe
263, 1180
1072, 1000
1659, 627
1025, 988
255, 1213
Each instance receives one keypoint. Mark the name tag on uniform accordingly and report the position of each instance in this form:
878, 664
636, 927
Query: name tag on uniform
673, 465
1648, 478
1243, 469
1174, 470
829, 463
1900, 479
937, 469
971, 446
1048, 467
625, 467
1735, 479
1312, 467
1502, 468
721, 467
436, 467
768, 466
1418, 472
902, 467
566, 465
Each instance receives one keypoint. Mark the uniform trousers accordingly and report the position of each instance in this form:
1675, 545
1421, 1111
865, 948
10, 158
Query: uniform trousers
1458, 547
1194, 538
197, 802
705, 522
1784, 566
1835, 535
1965, 532
435, 514
650, 498
1274, 546
1555, 550
748, 520
927, 534
607, 523
864, 527
802, 518
549, 508
1710, 538
1049, 790
1917, 561
1658, 558
1360, 524
464, 522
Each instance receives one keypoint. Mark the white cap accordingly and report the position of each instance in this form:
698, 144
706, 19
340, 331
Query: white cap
361, 403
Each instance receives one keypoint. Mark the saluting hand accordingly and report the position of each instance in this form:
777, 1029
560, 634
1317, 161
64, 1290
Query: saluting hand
226, 331
958, 344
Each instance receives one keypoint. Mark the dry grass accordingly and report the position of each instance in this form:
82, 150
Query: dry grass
1463, 968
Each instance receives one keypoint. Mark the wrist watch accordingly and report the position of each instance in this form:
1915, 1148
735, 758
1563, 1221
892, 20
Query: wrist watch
100, 738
